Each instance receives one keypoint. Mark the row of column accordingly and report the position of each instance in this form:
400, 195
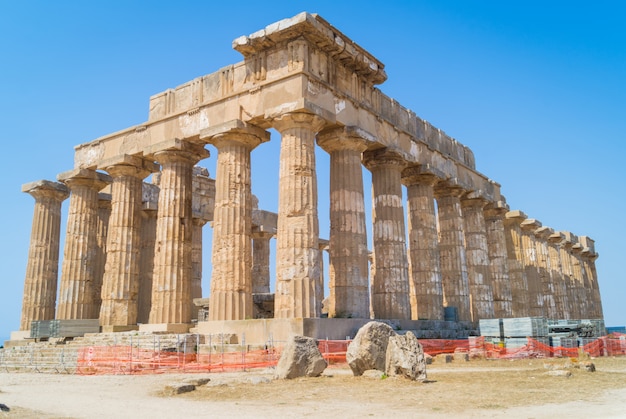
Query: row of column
463, 252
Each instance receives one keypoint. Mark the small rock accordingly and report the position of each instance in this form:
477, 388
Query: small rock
178, 388
4, 408
259, 380
589, 366
560, 373
197, 381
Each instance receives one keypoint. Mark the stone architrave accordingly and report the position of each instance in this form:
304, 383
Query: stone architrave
231, 279
499, 266
78, 293
104, 215
171, 283
40, 284
297, 248
517, 274
561, 301
348, 282
452, 250
477, 252
426, 288
120, 286
390, 285
530, 263
545, 271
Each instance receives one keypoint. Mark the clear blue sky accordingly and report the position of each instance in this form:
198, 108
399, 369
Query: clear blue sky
537, 89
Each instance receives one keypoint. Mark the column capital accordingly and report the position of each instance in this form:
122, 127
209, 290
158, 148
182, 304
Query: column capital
449, 188
556, 237
177, 150
544, 233
235, 130
530, 224
515, 216
345, 138
291, 120
383, 157
496, 209
46, 189
423, 174
85, 177
472, 200
127, 165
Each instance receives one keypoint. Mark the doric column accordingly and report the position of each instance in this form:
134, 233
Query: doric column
580, 279
202, 204
517, 274
561, 301
261, 261
120, 286
499, 266
40, 284
297, 250
477, 252
452, 250
568, 275
231, 280
78, 292
171, 285
390, 285
426, 289
146, 256
104, 215
529, 254
348, 282
545, 271
589, 257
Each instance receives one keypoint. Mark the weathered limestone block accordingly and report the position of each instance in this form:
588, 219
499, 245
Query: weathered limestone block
531, 267
300, 358
368, 350
517, 274
405, 357
499, 266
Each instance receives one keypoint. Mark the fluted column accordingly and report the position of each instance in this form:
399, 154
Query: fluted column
499, 266
568, 275
561, 300
348, 281
261, 261
529, 254
171, 288
203, 204
589, 257
452, 250
297, 250
426, 288
390, 285
104, 214
40, 284
545, 271
231, 279
146, 254
580, 279
120, 286
517, 274
78, 292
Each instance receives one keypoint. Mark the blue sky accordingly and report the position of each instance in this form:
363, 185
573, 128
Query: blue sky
536, 89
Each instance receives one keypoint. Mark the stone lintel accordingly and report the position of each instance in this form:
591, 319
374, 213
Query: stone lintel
129, 160
87, 174
516, 215
165, 327
236, 126
177, 144
530, 224
321, 34
45, 184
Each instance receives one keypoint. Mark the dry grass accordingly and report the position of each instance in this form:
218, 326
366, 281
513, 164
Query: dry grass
451, 388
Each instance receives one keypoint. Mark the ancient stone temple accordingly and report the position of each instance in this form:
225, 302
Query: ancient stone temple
138, 202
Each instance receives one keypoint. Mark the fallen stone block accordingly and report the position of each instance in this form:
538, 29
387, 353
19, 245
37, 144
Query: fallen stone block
300, 358
178, 388
405, 357
368, 350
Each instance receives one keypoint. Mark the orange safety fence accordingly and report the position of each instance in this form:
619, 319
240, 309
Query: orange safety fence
604, 346
444, 346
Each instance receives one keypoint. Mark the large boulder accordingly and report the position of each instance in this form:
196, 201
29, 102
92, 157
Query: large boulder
405, 357
368, 349
300, 358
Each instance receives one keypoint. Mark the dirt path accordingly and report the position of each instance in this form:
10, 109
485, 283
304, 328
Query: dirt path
475, 389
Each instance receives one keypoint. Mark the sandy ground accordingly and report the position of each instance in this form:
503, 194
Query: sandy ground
475, 389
